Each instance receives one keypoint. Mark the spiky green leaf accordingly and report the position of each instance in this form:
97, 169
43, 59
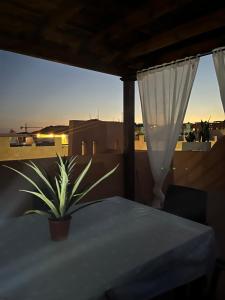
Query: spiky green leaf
57, 187
36, 211
79, 179
72, 163
33, 166
83, 206
28, 179
63, 191
96, 183
48, 202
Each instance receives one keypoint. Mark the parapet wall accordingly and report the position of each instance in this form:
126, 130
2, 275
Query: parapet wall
203, 170
14, 203
30, 152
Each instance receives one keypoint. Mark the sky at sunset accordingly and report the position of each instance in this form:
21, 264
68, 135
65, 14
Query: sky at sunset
41, 93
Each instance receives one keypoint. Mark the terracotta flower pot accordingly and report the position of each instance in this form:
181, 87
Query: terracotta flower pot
59, 228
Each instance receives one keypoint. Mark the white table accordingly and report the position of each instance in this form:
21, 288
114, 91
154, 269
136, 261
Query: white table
118, 245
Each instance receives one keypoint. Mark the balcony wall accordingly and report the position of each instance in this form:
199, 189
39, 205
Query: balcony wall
203, 170
30, 152
14, 203
198, 169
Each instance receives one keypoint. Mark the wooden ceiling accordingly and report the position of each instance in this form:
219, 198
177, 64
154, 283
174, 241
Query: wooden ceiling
112, 36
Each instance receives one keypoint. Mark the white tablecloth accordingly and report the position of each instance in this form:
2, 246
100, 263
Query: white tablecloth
117, 245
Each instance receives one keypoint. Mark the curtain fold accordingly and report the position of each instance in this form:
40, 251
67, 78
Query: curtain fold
219, 64
164, 94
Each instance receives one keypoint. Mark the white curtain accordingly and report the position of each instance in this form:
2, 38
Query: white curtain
219, 64
164, 93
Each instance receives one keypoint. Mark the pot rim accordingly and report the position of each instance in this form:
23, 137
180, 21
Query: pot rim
63, 219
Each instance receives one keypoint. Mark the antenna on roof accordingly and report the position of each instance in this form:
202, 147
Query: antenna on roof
25, 127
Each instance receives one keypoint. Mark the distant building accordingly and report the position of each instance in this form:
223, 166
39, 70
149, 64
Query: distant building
140, 143
139, 128
217, 125
46, 135
25, 146
57, 129
187, 128
95, 136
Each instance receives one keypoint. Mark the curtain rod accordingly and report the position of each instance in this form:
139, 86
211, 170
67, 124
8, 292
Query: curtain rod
181, 60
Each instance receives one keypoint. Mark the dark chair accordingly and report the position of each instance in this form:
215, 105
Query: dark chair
186, 202
191, 204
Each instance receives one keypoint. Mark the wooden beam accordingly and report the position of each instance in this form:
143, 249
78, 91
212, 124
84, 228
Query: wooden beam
54, 52
50, 29
201, 44
137, 18
128, 123
175, 35
15, 9
61, 15
64, 38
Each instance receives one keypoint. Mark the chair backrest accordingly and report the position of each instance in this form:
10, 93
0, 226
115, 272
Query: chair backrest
186, 202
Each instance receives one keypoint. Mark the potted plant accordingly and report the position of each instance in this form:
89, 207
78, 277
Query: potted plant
62, 195
204, 132
190, 138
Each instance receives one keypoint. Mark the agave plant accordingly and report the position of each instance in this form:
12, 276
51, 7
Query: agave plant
61, 194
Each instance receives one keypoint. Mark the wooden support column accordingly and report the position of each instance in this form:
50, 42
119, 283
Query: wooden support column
128, 132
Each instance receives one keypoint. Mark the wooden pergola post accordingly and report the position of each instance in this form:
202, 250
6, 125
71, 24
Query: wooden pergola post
128, 135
